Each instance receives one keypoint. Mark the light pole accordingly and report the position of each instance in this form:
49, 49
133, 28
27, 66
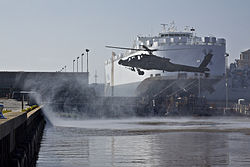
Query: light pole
199, 85
199, 82
82, 61
74, 65
77, 64
87, 50
226, 78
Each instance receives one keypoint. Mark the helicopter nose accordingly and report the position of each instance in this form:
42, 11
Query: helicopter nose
120, 61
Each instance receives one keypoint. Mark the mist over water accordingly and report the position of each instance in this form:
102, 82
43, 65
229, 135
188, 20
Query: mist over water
135, 141
155, 125
72, 100
84, 133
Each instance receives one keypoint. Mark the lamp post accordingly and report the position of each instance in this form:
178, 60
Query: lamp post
82, 61
199, 85
77, 64
226, 78
87, 50
199, 82
74, 65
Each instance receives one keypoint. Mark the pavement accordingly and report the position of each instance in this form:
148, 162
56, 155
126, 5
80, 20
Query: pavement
12, 104
10, 116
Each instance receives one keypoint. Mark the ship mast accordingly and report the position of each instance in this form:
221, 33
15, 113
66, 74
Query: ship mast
164, 30
172, 27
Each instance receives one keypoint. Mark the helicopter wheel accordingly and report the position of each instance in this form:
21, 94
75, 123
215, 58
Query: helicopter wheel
207, 75
140, 72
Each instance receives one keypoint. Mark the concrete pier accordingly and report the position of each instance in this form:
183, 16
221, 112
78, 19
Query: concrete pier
20, 136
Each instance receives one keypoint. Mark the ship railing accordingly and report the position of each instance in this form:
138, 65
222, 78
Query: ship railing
188, 42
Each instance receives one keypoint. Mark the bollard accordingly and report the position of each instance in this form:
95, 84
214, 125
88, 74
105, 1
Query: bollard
23, 102
1, 114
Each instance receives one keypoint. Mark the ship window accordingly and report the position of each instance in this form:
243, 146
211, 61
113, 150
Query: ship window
245, 57
174, 35
157, 75
151, 75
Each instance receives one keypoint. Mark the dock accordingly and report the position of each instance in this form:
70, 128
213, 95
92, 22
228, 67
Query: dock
20, 136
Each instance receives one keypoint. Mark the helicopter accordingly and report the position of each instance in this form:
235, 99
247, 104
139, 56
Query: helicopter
152, 62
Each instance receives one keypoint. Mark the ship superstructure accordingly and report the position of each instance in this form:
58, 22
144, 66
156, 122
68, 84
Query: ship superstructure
182, 47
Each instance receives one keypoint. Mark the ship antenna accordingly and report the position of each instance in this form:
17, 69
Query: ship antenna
172, 27
164, 27
186, 28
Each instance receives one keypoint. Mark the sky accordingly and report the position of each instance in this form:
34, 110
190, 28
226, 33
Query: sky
46, 35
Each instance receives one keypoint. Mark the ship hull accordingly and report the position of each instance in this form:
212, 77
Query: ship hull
212, 88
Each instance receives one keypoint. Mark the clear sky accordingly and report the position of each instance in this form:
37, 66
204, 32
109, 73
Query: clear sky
45, 35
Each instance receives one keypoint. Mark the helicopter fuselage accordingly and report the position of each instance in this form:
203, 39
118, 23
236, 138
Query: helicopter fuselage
153, 62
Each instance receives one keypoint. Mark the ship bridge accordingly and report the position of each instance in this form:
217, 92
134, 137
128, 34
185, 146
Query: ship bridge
175, 34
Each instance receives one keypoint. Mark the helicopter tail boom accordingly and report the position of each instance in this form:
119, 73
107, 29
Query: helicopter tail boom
206, 61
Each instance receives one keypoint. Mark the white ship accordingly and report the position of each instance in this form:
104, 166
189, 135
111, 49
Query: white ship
124, 81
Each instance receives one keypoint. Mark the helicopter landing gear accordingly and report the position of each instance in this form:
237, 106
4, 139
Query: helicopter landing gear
132, 69
140, 72
207, 75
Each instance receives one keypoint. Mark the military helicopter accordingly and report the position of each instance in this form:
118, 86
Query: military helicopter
152, 62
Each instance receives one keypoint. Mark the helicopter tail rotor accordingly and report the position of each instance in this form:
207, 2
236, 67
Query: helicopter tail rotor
205, 52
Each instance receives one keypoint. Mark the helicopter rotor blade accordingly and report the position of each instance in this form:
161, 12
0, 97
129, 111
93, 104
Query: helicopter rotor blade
153, 50
145, 48
115, 47
171, 49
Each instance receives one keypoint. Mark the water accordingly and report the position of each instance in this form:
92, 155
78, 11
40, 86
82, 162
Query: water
147, 142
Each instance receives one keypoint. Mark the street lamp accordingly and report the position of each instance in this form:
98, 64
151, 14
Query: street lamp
82, 61
77, 64
87, 50
74, 65
199, 85
199, 81
226, 78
